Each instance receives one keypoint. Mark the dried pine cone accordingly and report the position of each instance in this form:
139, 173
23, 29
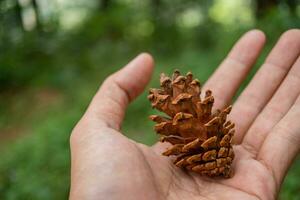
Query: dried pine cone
201, 140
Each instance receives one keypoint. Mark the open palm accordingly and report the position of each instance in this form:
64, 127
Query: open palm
107, 165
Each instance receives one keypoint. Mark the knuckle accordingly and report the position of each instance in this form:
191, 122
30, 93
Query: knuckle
250, 148
285, 133
107, 83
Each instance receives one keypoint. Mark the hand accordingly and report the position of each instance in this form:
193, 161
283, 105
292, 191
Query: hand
107, 165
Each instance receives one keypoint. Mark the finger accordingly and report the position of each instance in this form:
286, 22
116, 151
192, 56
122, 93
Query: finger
278, 106
265, 82
233, 70
110, 102
285, 137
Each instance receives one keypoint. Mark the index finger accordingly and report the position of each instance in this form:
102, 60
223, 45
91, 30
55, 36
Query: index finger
233, 70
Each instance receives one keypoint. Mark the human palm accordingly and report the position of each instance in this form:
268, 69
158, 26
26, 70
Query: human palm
107, 165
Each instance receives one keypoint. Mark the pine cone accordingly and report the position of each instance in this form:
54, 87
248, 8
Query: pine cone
201, 140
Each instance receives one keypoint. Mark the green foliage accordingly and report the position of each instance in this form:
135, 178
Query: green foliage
73, 63
37, 167
291, 186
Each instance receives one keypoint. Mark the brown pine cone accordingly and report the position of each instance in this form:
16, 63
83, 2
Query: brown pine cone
201, 140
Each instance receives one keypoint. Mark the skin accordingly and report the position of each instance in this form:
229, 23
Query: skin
108, 165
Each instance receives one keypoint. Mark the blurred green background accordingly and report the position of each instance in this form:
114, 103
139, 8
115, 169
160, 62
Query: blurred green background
55, 54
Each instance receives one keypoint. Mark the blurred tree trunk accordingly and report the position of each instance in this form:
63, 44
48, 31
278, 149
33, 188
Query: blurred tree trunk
104, 4
292, 4
155, 4
18, 14
37, 15
264, 6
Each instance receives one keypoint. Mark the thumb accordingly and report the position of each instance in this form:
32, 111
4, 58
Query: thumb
119, 89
